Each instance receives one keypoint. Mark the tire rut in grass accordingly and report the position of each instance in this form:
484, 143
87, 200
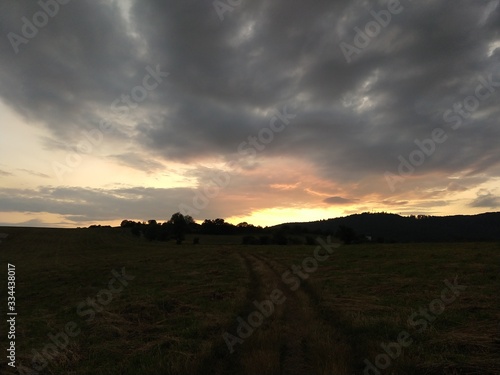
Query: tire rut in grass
353, 348
248, 358
289, 328
294, 324
220, 361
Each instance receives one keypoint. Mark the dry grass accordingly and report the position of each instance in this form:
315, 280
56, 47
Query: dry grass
171, 317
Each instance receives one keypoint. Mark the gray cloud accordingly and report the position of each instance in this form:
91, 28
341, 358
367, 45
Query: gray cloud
34, 173
139, 162
83, 205
486, 199
339, 201
5, 173
454, 186
353, 119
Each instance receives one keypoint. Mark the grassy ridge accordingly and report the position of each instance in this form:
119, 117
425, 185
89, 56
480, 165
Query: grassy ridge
170, 317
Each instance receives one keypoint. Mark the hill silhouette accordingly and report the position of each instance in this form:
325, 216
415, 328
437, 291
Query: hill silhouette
386, 227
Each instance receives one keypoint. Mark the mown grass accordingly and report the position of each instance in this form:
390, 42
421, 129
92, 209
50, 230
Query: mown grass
165, 321
171, 316
372, 290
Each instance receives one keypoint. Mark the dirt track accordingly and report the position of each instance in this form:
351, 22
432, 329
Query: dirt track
298, 338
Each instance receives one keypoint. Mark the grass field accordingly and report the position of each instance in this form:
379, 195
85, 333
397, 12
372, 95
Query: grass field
163, 308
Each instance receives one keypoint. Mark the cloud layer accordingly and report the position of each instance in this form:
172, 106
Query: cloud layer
228, 77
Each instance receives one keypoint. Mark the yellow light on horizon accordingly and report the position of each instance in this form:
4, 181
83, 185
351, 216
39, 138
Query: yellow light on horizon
275, 216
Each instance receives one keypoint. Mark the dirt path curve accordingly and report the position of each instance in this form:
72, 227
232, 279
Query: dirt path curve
294, 320
295, 339
311, 344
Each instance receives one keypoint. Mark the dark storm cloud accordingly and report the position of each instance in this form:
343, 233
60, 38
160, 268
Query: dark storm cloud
263, 55
353, 119
78, 62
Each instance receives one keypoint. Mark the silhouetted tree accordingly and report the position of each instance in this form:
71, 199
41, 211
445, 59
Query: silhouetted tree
152, 230
180, 226
127, 224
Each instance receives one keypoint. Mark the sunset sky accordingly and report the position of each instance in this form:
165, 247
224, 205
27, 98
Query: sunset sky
248, 110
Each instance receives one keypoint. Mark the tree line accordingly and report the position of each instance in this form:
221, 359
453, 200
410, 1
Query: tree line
179, 225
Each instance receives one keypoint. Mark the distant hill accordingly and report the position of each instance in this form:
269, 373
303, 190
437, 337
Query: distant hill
384, 227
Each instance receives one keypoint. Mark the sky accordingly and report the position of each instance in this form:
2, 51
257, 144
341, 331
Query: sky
248, 110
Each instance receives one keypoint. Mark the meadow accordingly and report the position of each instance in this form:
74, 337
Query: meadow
103, 302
